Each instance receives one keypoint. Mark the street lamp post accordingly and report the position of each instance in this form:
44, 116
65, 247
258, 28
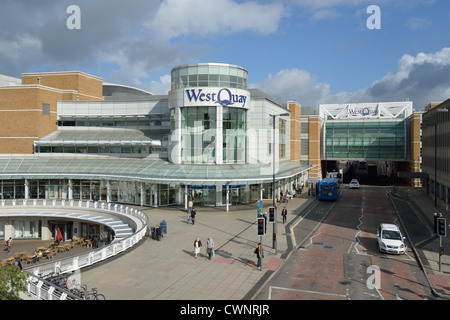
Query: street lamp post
274, 244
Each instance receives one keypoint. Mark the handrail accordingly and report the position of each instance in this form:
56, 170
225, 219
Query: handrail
39, 288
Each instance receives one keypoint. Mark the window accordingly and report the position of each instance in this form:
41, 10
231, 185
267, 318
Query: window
46, 109
199, 128
234, 135
282, 138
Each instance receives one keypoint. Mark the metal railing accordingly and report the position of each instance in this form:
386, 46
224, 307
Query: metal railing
37, 285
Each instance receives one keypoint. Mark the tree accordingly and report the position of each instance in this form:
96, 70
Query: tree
13, 281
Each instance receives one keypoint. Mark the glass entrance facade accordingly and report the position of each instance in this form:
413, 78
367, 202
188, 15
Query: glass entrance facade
198, 142
234, 137
367, 140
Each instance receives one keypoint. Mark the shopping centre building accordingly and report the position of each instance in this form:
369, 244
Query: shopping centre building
68, 135
385, 136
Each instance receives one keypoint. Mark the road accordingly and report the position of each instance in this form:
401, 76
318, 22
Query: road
339, 258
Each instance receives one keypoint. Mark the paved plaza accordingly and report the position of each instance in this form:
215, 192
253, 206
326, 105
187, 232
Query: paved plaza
167, 269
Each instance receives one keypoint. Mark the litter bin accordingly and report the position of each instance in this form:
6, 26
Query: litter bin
163, 226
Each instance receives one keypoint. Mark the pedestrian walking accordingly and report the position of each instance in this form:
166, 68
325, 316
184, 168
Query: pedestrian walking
210, 247
193, 214
190, 205
284, 214
8, 244
197, 246
259, 251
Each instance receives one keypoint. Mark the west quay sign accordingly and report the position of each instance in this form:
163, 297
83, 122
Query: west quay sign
207, 96
362, 111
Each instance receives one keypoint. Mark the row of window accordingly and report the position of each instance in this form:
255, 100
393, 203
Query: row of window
114, 149
212, 80
160, 123
121, 191
209, 75
198, 144
130, 192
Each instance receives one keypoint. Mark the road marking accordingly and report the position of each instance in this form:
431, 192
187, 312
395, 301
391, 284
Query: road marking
305, 291
294, 241
360, 223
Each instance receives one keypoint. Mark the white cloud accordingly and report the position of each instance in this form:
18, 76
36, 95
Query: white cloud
176, 18
19, 46
416, 24
325, 14
421, 79
160, 87
295, 84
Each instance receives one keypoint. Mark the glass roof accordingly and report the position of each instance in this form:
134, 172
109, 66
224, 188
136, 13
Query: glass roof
145, 170
83, 136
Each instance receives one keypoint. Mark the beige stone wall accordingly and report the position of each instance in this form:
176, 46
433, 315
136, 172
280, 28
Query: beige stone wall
414, 163
21, 107
295, 133
86, 86
314, 146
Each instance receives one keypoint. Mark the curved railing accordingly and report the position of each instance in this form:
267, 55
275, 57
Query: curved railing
38, 287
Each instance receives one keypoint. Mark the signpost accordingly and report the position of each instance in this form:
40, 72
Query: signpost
261, 225
440, 229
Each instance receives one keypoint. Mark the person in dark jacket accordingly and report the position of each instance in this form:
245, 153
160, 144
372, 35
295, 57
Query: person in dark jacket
259, 251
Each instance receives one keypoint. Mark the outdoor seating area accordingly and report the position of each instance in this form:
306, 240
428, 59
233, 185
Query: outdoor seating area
46, 250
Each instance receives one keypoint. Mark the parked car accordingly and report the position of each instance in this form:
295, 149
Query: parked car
354, 184
390, 239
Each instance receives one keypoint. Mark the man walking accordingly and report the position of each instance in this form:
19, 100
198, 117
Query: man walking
193, 214
284, 214
259, 255
190, 205
210, 247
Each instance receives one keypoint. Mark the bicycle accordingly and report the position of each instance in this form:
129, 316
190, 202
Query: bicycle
79, 290
93, 295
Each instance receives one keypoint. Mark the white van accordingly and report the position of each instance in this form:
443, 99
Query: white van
390, 239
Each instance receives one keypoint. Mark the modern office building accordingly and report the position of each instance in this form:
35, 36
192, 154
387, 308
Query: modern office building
68, 135
436, 152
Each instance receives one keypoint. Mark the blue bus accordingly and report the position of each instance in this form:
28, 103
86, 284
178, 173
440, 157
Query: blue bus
329, 189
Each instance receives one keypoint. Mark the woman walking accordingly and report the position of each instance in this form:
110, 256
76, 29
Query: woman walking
197, 246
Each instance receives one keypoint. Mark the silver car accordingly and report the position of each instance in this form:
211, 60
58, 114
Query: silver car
354, 184
390, 239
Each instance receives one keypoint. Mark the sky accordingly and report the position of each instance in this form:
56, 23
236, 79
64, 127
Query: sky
310, 51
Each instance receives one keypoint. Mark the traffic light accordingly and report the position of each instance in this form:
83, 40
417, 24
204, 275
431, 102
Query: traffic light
441, 229
261, 226
271, 214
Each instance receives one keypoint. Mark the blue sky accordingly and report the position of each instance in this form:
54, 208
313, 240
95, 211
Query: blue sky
311, 51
